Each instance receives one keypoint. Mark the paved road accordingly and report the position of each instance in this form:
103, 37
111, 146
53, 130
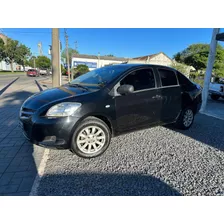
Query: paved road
5, 80
9, 83
215, 108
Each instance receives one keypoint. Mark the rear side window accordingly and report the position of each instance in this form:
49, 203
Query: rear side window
141, 79
185, 83
168, 77
183, 80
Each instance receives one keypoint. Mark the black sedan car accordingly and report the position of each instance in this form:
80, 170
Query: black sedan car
83, 115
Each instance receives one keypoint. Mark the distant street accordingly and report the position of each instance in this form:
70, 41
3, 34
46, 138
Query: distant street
12, 82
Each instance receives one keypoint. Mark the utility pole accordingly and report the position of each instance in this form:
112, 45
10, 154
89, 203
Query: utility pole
98, 60
55, 58
76, 45
208, 74
67, 56
60, 61
34, 62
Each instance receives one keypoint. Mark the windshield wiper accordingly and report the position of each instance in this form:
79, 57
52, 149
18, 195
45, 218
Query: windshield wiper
78, 85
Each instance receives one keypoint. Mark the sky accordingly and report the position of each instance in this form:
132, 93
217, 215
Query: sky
131, 42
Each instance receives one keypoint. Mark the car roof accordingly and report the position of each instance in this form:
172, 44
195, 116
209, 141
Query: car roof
130, 66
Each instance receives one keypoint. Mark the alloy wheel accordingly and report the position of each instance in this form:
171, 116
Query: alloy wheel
188, 118
91, 139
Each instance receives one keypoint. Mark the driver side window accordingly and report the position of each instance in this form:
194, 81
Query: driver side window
141, 79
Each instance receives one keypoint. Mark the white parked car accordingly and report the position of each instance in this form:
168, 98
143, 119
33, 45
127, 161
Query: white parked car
216, 89
43, 71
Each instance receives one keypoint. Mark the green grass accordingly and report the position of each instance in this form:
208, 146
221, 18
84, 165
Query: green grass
12, 73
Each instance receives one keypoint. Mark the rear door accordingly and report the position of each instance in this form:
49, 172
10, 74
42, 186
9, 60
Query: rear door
171, 95
138, 109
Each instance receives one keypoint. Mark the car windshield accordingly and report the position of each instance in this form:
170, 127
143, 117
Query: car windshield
100, 77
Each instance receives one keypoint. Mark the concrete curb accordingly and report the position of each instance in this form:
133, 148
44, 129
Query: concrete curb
7, 86
40, 173
38, 85
211, 115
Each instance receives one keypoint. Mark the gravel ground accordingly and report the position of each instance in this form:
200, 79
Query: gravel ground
156, 161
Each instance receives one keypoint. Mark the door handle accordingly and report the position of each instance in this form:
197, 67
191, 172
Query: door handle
157, 97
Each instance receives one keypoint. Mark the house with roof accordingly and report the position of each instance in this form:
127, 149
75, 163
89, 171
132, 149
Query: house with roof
157, 59
97, 61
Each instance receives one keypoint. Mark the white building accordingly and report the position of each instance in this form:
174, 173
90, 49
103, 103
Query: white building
93, 61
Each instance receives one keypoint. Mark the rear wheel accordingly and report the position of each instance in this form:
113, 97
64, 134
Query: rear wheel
215, 97
185, 119
91, 138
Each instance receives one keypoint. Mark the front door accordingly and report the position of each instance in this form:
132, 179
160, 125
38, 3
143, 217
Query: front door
138, 109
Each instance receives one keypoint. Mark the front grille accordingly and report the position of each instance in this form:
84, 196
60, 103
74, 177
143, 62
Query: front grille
26, 113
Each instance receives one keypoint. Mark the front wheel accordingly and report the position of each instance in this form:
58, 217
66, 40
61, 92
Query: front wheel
91, 138
215, 97
185, 119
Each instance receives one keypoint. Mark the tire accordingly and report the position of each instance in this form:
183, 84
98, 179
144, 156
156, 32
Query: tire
215, 97
78, 141
183, 122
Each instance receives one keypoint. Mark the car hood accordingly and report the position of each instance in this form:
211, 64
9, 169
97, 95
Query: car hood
51, 96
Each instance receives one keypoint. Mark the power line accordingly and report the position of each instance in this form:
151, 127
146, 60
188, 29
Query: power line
76, 45
67, 55
30, 32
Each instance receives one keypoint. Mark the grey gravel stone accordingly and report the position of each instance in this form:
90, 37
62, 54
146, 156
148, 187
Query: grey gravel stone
156, 161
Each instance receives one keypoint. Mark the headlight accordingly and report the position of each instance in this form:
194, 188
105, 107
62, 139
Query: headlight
63, 109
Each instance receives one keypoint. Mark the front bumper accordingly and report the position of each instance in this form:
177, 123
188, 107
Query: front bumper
221, 94
51, 133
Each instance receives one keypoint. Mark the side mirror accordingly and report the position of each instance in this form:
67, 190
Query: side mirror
125, 89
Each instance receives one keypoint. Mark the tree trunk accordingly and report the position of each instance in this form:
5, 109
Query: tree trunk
24, 67
12, 66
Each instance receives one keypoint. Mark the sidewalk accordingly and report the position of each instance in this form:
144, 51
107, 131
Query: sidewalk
19, 159
215, 108
48, 82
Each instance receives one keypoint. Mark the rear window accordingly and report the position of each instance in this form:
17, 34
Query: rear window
168, 77
31, 70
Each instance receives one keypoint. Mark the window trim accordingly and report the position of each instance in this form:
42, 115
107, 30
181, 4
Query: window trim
156, 84
161, 87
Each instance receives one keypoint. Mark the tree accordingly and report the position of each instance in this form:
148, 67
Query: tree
70, 54
43, 62
2, 50
184, 69
80, 69
196, 55
11, 51
22, 54
30, 62
63, 70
